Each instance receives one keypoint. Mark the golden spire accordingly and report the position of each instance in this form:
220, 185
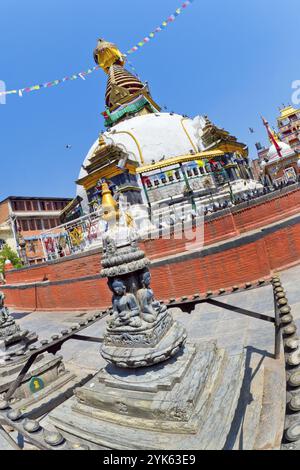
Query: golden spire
109, 205
101, 142
107, 54
111, 212
121, 84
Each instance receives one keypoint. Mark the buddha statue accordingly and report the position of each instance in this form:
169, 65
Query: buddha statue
4, 314
126, 311
150, 307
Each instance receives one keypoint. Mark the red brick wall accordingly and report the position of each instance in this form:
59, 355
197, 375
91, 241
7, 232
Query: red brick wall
235, 265
224, 269
281, 207
248, 260
221, 228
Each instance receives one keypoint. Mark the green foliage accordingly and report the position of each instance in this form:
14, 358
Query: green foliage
11, 255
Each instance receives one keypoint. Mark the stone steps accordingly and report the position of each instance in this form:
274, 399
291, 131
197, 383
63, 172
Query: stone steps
207, 428
260, 414
272, 418
248, 412
10, 373
7, 442
239, 403
220, 408
52, 395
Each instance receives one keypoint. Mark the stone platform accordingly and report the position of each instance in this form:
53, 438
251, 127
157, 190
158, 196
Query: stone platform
46, 380
169, 335
187, 402
259, 405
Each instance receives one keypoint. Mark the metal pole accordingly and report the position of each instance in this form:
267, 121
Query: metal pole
189, 189
44, 249
147, 196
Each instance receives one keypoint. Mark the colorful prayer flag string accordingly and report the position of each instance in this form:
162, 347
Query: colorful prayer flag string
160, 28
21, 91
82, 75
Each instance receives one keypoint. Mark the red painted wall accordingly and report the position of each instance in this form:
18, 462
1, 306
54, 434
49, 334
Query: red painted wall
248, 260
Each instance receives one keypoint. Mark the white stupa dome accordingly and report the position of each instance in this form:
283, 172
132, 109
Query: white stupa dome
286, 151
149, 138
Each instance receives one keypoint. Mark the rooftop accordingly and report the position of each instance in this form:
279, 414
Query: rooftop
286, 112
32, 198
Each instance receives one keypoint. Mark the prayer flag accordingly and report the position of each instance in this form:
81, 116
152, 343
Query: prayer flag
135, 48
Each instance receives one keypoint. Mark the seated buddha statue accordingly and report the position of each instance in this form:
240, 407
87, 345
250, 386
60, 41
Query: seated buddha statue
150, 307
126, 311
4, 314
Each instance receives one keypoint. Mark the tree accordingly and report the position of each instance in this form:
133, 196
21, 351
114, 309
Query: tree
6, 253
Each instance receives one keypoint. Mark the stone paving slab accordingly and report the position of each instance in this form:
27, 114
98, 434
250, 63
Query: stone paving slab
231, 330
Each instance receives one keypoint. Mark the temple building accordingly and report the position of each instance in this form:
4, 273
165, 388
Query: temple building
23, 219
289, 126
155, 157
280, 162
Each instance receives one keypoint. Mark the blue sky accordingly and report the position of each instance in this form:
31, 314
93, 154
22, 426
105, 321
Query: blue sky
232, 60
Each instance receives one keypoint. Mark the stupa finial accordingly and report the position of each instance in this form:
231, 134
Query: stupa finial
109, 205
107, 54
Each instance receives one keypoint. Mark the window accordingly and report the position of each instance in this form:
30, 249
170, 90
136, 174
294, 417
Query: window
28, 205
59, 205
24, 225
52, 223
18, 205
46, 205
38, 223
31, 223
35, 205
46, 224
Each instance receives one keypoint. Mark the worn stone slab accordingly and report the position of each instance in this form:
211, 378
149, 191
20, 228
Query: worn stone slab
272, 419
173, 406
135, 357
231, 334
6, 442
245, 423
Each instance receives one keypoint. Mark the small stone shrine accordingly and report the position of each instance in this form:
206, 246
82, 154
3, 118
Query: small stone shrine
152, 394
46, 376
140, 331
13, 340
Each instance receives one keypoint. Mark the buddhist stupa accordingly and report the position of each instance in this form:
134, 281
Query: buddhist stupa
147, 154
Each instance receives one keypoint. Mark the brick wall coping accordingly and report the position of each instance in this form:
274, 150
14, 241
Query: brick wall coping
237, 242
210, 217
